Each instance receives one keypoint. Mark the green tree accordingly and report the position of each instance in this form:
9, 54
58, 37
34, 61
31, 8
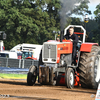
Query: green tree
16, 21
82, 9
96, 31
28, 21
31, 21
50, 8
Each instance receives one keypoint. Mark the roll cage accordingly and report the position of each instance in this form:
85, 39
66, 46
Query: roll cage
77, 26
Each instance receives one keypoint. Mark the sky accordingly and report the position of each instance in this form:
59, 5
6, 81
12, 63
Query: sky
92, 6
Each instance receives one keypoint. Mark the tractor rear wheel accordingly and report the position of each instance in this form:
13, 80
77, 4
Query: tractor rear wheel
88, 68
31, 76
69, 78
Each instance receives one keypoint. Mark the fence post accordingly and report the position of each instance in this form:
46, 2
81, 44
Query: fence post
32, 62
7, 63
23, 64
19, 63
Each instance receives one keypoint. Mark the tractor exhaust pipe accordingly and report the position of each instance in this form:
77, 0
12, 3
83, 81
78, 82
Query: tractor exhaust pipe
61, 35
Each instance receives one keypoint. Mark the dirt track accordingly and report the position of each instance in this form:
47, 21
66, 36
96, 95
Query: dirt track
18, 90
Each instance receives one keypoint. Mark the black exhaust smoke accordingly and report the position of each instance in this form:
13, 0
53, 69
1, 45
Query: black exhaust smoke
66, 7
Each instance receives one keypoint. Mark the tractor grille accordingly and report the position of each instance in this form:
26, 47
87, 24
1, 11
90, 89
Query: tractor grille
49, 51
53, 51
46, 51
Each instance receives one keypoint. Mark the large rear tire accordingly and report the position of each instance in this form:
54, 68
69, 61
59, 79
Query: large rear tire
88, 66
69, 78
31, 76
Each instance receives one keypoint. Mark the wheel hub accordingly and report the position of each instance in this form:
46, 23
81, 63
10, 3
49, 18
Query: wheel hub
71, 78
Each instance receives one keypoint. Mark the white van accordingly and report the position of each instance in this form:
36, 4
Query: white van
8, 54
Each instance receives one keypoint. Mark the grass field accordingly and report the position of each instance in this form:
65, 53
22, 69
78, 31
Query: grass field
13, 76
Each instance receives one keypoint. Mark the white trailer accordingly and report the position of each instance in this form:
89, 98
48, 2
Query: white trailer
25, 47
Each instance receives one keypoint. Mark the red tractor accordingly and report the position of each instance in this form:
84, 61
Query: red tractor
55, 64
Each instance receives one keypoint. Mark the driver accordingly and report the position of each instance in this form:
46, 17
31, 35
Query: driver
73, 38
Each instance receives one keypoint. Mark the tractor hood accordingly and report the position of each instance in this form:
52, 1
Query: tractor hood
52, 50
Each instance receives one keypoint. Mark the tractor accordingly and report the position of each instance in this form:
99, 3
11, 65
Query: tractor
55, 63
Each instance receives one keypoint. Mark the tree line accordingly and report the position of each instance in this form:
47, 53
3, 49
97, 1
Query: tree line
33, 21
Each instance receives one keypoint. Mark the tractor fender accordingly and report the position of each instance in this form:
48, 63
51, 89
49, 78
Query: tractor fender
86, 47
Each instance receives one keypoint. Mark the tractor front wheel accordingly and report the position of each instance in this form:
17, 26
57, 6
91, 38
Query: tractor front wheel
31, 76
69, 78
